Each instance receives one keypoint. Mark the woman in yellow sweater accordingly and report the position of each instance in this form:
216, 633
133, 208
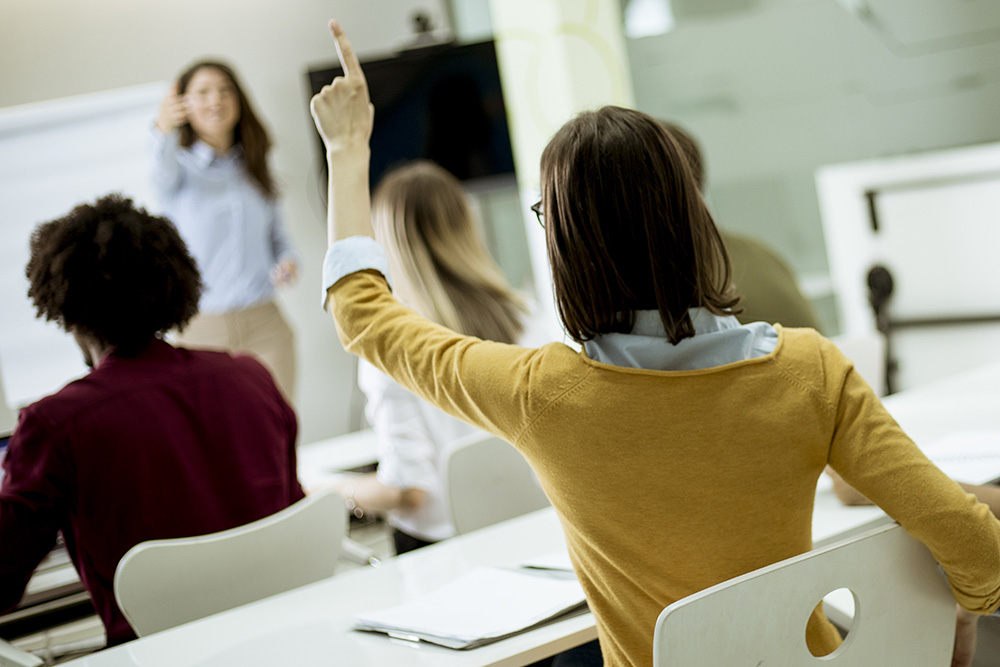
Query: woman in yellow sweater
708, 435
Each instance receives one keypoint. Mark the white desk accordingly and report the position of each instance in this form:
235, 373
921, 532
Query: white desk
320, 460
310, 625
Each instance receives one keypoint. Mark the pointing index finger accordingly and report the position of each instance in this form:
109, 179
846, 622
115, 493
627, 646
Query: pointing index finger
349, 61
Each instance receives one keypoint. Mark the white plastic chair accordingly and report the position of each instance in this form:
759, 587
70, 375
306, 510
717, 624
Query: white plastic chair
867, 351
488, 482
163, 583
15, 657
904, 610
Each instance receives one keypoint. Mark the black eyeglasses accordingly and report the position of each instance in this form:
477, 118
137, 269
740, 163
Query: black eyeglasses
539, 213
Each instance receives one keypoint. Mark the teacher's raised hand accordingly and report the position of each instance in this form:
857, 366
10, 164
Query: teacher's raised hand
341, 110
344, 115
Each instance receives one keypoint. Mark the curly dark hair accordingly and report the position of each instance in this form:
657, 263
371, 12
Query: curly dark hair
114, 272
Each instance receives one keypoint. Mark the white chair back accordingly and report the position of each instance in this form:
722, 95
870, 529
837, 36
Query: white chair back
163, 583
904, 610
867, 351
488, 482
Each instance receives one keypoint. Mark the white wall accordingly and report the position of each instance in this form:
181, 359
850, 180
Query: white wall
59, 48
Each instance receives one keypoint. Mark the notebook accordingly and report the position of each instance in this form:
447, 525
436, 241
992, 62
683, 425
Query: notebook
967, 456
484, 606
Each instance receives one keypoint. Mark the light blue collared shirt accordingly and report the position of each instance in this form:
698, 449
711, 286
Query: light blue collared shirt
233, 230
718, 339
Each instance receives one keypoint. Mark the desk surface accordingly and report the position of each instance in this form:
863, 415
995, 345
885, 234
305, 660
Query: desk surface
325, 459
311, 625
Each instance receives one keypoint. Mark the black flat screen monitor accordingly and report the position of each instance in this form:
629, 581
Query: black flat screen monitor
441, 103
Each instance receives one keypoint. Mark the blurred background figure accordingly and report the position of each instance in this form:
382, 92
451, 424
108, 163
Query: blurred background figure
156, 441
441, 268
211, 174
767, 287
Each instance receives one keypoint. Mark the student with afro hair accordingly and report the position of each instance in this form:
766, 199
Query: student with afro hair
156, 441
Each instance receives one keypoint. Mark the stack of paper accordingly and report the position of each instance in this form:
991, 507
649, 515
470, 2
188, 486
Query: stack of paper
967, 456
484, 606
554, 562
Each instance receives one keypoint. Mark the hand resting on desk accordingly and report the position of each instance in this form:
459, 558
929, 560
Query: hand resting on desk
364, 493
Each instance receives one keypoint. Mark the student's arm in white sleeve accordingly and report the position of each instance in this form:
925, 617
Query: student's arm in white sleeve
407, 460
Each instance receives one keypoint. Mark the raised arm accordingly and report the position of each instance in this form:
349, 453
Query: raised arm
173, 113
493, 386
344, 114
166, 171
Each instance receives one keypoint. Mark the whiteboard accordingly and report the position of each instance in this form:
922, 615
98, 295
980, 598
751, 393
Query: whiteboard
53, 156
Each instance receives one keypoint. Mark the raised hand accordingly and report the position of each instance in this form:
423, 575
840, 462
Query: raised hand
342, 110
173, 112
344, 116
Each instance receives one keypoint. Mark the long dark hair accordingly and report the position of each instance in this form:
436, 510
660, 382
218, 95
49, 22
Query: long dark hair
249, 132
627, 228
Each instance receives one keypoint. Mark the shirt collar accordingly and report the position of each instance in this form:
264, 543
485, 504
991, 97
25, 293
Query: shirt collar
718, 340
206, 155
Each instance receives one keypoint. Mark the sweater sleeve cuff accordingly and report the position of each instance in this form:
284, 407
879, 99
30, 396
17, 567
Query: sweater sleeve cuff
356, 253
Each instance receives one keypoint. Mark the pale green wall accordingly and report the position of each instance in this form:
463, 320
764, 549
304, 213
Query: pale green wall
777, 90
774, 89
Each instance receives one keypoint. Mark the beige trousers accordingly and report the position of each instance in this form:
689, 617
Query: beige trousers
260, 330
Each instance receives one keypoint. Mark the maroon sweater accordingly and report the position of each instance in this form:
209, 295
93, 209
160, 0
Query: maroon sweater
171, 443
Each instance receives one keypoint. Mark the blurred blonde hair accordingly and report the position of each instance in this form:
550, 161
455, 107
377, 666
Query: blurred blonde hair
437, 257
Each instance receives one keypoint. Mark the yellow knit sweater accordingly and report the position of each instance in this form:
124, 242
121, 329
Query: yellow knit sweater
667, 482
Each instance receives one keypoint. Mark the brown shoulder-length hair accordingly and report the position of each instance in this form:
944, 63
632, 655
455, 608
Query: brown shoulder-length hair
437, 257
627, 229
249, 132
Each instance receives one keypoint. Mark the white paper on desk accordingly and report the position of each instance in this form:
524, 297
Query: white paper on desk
558, 561
967, 456
483, 606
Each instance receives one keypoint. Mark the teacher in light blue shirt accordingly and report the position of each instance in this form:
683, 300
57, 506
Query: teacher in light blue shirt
211, 174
